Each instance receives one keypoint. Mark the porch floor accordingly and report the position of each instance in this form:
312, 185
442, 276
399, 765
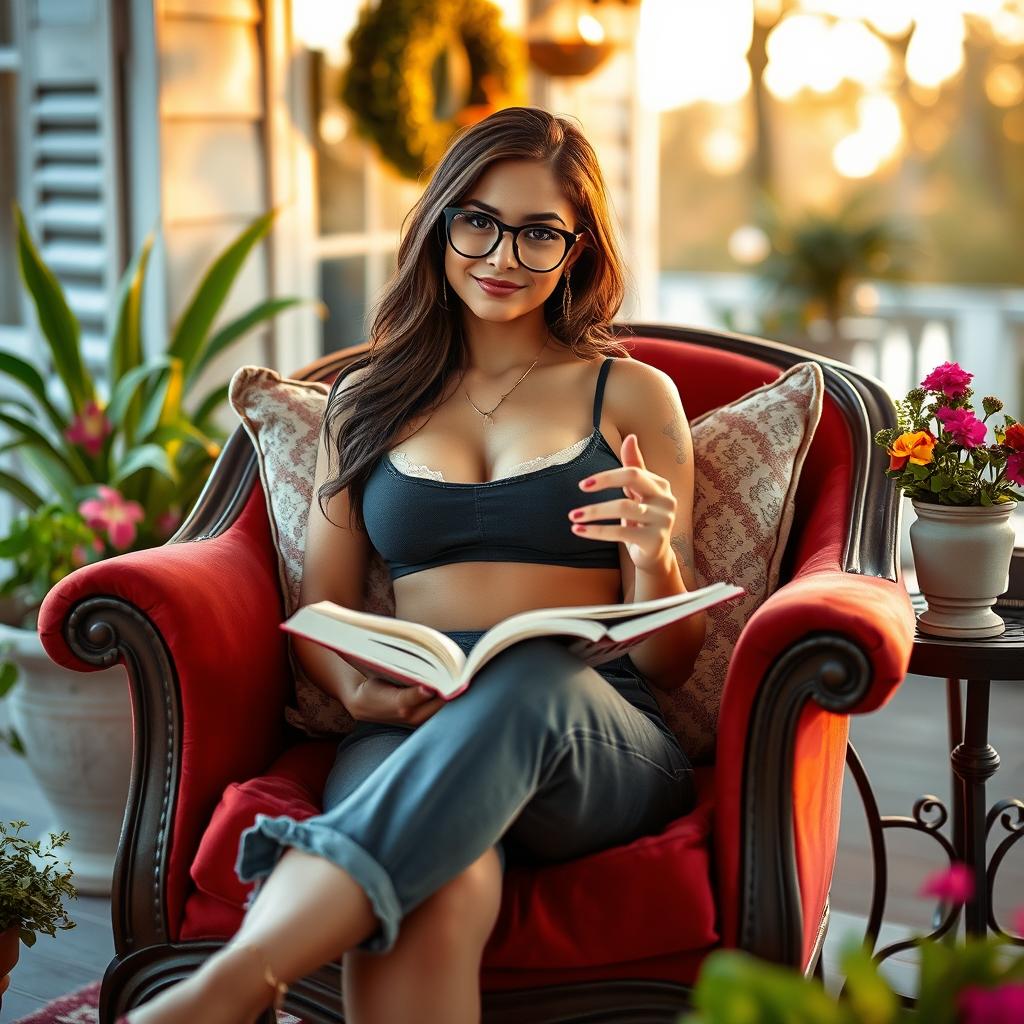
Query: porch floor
904, 748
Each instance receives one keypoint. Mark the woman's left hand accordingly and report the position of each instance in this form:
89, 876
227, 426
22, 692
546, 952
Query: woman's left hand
646, 514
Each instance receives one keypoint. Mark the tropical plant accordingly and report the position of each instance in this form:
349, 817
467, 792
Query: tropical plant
937, 450
119, 471
815, 260
976, 980
34, 883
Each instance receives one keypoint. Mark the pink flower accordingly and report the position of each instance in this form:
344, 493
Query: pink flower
962, 425
80, 553
1015, 474
1002, 1005
167, 522
112, 513
89, 429
953, 885
948, 378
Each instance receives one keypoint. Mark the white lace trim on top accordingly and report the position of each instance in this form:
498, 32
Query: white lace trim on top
410, 468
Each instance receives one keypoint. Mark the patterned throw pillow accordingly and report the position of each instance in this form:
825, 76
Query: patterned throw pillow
282, 417
747, 461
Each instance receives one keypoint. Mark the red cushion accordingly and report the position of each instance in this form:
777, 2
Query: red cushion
647, 900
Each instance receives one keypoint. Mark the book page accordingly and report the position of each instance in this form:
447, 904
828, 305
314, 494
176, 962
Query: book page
509, 632
447, 652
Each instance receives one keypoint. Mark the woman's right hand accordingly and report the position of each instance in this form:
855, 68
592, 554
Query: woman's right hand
375, 699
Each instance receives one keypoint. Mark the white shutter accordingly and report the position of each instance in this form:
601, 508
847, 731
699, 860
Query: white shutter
74, 192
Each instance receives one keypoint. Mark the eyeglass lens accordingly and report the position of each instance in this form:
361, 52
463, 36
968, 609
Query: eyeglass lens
474, 235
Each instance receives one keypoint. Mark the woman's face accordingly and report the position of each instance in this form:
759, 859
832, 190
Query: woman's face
517, 192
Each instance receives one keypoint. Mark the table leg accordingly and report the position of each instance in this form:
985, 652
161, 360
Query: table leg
974, 760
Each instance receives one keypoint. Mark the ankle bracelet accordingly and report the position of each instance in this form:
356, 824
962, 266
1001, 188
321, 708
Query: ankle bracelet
279, 987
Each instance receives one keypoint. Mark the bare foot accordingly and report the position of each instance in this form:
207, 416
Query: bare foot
230, 988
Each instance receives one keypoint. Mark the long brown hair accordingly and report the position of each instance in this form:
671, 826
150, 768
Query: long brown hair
415, 343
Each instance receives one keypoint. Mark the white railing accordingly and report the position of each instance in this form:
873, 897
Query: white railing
911, 328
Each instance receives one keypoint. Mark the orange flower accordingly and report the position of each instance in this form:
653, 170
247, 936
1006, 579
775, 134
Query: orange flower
916, 447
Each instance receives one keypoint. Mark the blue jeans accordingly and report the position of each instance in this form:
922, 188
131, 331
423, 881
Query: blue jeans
538, 757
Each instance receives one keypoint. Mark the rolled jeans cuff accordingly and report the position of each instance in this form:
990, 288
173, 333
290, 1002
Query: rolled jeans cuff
263, 845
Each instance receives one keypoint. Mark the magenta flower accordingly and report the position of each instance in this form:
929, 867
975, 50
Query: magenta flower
953, 885
112, 513
167, 522
1015, 474
948, 378
1002, 1005
962, 425
80, 553
89, 428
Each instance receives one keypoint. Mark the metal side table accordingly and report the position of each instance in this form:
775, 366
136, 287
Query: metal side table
973, 761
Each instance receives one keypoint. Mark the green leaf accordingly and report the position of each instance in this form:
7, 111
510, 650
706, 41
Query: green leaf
873, 1001
34, 437
20, 490
918, 472
159, 398
146, 456
8, 677
985, 498
57, 322
126, 347
941, 482
30, 378
209, 405
193, 327
128, 384
237, 329
184, 432
55, 473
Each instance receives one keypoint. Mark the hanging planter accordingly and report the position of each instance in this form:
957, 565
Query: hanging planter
421, 69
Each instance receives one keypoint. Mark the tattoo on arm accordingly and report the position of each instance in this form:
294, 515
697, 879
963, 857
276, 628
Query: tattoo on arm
683, 548
674, 430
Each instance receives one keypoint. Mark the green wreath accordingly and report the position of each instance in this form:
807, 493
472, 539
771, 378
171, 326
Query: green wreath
390, 85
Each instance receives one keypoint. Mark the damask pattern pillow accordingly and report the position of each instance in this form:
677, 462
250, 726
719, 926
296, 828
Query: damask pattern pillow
282, 417
747, 461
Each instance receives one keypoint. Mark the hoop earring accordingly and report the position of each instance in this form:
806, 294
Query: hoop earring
566, 299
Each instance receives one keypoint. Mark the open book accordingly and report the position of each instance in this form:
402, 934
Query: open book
411, 654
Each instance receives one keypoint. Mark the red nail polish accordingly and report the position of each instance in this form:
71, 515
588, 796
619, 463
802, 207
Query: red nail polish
589, 482
579, 528
576, 515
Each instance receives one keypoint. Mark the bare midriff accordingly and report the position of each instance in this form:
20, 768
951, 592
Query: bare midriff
477, 595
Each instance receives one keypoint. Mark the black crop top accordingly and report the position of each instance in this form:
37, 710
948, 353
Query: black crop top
416, 523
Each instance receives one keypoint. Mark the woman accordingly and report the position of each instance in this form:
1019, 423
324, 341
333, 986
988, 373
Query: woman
466, 463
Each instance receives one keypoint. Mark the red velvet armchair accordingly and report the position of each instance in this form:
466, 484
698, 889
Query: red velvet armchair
619, 935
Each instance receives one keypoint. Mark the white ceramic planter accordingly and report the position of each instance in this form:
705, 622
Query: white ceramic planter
962, 558
77, 731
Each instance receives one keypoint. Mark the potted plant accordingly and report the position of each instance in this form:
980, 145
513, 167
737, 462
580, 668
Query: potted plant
813, 264
964, 491
114, 469
976, 980
34, 883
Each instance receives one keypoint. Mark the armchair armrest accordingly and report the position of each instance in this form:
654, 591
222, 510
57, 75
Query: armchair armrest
196, 625
826, 645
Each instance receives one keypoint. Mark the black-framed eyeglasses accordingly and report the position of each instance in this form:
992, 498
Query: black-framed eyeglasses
537, 247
